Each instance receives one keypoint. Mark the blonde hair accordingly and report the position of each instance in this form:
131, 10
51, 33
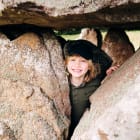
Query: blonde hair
94, 69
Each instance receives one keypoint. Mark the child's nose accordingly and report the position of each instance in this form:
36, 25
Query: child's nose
77, 63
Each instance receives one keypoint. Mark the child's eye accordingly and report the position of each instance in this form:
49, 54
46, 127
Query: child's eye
72, 59
83, 60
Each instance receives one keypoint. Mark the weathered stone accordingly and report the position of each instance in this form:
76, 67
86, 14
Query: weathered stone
5, 132
91, 35
115, 111
34, 101
64, 14
34, 93
118, 46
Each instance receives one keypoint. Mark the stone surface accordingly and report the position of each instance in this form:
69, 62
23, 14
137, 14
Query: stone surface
65, 14
6, 133
114, 112
34, 93
34, 99
118, 46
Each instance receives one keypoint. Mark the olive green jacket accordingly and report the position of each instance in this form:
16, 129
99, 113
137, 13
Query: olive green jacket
79, 97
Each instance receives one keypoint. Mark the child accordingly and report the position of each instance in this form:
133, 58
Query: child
83, 68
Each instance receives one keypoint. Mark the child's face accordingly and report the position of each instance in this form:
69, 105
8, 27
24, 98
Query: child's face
77, 66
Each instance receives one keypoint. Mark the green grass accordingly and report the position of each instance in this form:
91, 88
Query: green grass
70, 37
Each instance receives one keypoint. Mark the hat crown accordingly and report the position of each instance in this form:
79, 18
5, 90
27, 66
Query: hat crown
79, 47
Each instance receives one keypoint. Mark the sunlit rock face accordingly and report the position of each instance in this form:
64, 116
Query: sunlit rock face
65, 14
34, 93
114, 112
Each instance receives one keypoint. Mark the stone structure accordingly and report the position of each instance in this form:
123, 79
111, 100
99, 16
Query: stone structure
118, 46
92, 35
34, 101
34, 92
71, 13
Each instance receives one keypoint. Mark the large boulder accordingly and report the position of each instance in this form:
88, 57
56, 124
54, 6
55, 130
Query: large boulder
34, 93
114, 113
71, 13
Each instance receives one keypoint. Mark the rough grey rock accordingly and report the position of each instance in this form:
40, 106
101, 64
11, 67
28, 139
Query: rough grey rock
6, 133
65, 14
34, 93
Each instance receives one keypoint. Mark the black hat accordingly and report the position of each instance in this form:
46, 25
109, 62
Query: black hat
79, 47
88, 50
